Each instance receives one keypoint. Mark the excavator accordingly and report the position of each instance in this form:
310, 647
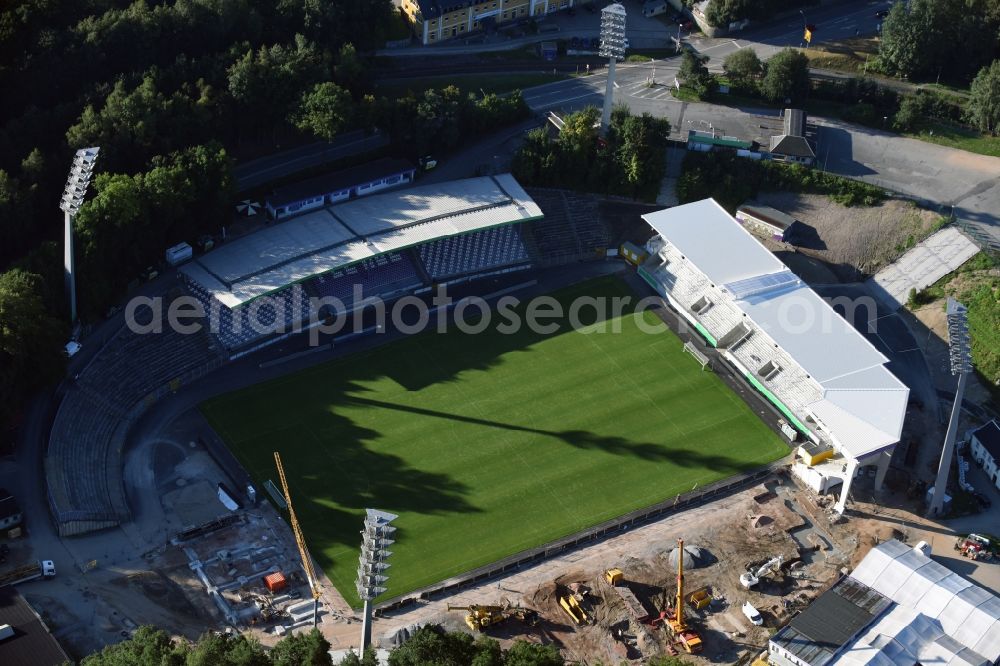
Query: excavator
479, 616
674, 617
749, 579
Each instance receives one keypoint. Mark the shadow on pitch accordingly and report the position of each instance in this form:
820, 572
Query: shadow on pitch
580, 439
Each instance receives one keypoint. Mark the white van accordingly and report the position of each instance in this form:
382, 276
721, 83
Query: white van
752, 614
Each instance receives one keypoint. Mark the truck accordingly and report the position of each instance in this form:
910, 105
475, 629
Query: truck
28, 572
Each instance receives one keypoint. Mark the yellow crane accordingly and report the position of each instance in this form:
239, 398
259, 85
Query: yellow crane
300, 540
687, 636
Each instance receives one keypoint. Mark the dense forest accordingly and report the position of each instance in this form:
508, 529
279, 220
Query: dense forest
174, 92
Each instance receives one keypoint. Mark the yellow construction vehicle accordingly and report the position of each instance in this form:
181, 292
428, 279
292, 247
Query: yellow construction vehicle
700, 598
685, 635
479, 616
573, 608
613, 576
300, 541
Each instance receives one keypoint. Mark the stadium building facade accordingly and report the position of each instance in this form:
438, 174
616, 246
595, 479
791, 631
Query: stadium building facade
829, 383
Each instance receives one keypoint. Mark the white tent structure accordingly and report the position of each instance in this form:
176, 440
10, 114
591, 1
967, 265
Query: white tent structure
966, 612
897, 608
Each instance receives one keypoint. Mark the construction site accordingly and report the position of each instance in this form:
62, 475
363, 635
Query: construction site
750, 561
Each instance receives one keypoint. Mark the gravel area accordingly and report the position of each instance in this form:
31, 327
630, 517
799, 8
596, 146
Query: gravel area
855, 242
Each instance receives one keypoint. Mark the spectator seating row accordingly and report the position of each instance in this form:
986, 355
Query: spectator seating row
473, 253
384, 275
572, 229
83, 464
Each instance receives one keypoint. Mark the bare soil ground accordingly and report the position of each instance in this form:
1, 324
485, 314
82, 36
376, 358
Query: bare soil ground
747, 528
853, 242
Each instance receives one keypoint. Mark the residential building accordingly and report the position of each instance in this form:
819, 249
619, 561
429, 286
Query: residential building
654, 7
986, 450
338, 186
792, 145
437, 20
897, 607
10, 512
24, 638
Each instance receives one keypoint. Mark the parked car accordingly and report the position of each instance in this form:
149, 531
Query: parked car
882, 13
983, 500
752, 613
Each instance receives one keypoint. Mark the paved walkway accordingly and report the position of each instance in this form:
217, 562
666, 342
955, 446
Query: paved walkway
922, 266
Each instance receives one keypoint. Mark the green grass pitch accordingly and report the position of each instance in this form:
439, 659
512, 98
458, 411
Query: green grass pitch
489, 444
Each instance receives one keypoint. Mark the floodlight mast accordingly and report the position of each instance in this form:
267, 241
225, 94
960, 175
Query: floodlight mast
961, 365
612, 48
73, 195
375, 541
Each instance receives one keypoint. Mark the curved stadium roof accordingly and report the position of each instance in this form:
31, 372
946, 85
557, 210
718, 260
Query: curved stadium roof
330, 238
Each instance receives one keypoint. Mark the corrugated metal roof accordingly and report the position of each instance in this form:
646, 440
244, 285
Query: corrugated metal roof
31, 644
331, 238
831, 621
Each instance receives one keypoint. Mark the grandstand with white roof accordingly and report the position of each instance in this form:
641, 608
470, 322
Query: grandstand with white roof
256, 290
388, 245
827, 380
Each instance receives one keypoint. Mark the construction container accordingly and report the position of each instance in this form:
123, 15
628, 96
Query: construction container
632, 253
275, 582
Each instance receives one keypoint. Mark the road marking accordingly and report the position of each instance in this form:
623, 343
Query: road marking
568, 99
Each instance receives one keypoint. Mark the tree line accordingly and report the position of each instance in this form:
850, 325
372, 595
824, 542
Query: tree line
629, 161
428, 646
950, 40
785, 77
171, 92
731, 180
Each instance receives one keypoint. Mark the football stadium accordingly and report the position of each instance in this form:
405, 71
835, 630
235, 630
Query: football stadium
494, 443
486, 445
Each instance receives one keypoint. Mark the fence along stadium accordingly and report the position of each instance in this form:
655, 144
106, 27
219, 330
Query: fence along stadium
828, 381
390, 243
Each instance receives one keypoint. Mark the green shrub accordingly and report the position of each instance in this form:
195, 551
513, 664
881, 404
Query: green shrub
731, 180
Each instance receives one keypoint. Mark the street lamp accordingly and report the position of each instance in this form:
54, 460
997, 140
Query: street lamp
613, 48
73, 195
376, 538
961, 364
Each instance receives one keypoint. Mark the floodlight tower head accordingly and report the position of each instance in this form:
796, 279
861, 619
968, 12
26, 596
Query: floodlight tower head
78, 180
72, 198
613, 32
958, 338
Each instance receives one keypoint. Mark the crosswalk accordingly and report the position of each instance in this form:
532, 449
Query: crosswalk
644, 90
